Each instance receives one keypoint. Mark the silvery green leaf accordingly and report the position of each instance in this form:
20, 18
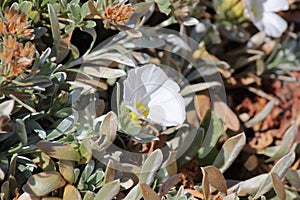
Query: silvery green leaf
109, 190
180, 193
2, 175
132, 32
164, 6
280, 168
278, 186
66, 169
59, 151
147, 174
86, 174
177, 41
286, 144
134, 194
145, 138
65, 125
169, 183
111, 56
145, 42
89, 196
43, 183
75, 9
84, 10
54, 23
58, 77
27, 196
190, 21
262, 114
249, 186
231, 197
229, 152
143, 12
71, 192
25, 7
104, 72
216, 178
21, 131
6, 107
224, 113
293, 177
92, 33
213, 130
109, 127
40, 81
36, 127
148, 192
194, 139
96, 178
142, 58
60, 46
39, 32
282, 165
256, 40
109, 172
205, 184
150, 167
45, 55
202, 70
199, 87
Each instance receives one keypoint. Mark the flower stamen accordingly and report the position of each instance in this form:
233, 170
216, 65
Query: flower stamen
142, 108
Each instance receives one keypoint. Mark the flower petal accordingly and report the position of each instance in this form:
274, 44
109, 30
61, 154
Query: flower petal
141, 82
254, 9
152, 87
275, 5
272, 24
166, 106
134, 88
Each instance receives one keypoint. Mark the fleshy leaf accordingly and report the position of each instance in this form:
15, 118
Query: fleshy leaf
66, 168
286, 144
43, 183
6, 107
224, 112
205, 184
71, 192
104, 72
163, 6
216, 178
262, 114
280, 168
293, 178
213, 130
230, 150
109, 190
59, 151
21, 131
148, 192
151, 165
278, 186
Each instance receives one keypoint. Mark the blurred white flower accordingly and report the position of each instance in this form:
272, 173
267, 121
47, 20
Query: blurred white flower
153, 97
262, 14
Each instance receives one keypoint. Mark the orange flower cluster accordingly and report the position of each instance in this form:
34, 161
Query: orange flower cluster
15, 56
117, 14
15, 24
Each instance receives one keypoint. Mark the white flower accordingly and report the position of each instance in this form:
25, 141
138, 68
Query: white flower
153, 97
262, 14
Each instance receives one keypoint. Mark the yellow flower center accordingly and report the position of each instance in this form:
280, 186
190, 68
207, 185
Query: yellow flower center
142, 108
